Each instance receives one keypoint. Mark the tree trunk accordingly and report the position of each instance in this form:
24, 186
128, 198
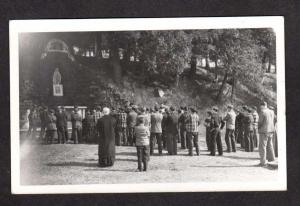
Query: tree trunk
193, 66
96, 46
116, 66
269, 66
264, 61
222, 87
233, 88
206, 63
177, 80
216, 68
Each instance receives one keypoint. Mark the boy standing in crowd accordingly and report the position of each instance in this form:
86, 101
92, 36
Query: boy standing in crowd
142, 134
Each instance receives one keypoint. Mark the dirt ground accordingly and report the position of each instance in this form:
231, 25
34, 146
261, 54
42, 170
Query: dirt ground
77, 164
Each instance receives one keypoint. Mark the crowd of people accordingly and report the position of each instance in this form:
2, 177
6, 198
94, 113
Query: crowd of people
161, 127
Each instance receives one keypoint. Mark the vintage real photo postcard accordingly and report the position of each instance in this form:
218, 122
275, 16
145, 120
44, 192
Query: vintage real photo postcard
147, 105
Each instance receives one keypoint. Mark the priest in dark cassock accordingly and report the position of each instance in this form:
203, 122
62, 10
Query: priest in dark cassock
106, 127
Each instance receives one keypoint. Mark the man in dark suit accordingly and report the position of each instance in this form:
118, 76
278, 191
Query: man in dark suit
172, 131
76, 119
215, 125
66, 123
43, 118
61, 119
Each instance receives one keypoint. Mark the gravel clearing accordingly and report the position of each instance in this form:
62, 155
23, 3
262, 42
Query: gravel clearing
77, 164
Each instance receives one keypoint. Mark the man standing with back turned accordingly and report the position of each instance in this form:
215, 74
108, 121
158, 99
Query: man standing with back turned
230, 127
266, 131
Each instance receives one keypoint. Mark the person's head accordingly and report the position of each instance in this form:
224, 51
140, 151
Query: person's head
245, 108
143, 109
172, 109
249, 110
185, 109
271, 107
59, 109
156, 109
263, 105
215, 109
193, 110
52, 111
254, 108
106, 111
229, 107
98, 108
140, 120
209, 113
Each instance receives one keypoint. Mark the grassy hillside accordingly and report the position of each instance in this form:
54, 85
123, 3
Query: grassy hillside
199, 92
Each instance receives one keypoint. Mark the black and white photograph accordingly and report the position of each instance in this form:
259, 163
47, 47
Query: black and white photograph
147, 105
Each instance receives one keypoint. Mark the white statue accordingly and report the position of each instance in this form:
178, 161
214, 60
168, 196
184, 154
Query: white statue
56, 77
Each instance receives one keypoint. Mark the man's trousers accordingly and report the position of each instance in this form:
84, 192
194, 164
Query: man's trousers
122, 136
158, 137
216, 140
143, 157
192, 138
266, 149
61, 134
230, 140
183, 139
249, 143
131, 136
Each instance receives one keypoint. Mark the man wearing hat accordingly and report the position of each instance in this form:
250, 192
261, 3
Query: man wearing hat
121, 127
76, 119
192, 131
156, 131
61, 120
131, 123
51, 126
240, 122
266, 132
172, 131
248, 124
215, 125
207, 132
43, 119
230, 127
182, 126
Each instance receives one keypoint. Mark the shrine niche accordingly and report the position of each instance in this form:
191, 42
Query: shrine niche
58, 73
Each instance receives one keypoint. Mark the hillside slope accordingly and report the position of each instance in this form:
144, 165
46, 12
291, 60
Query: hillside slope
199, 92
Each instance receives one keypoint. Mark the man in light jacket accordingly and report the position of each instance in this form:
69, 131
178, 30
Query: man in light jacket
266, 131
230, 127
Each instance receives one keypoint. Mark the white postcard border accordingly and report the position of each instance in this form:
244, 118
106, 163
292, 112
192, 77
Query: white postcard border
19, 26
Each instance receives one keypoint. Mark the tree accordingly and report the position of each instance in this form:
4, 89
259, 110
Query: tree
165, 52
240, 56
266, 40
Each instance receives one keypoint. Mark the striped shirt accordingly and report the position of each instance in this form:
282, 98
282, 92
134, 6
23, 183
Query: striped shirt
122, 120
192, 123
